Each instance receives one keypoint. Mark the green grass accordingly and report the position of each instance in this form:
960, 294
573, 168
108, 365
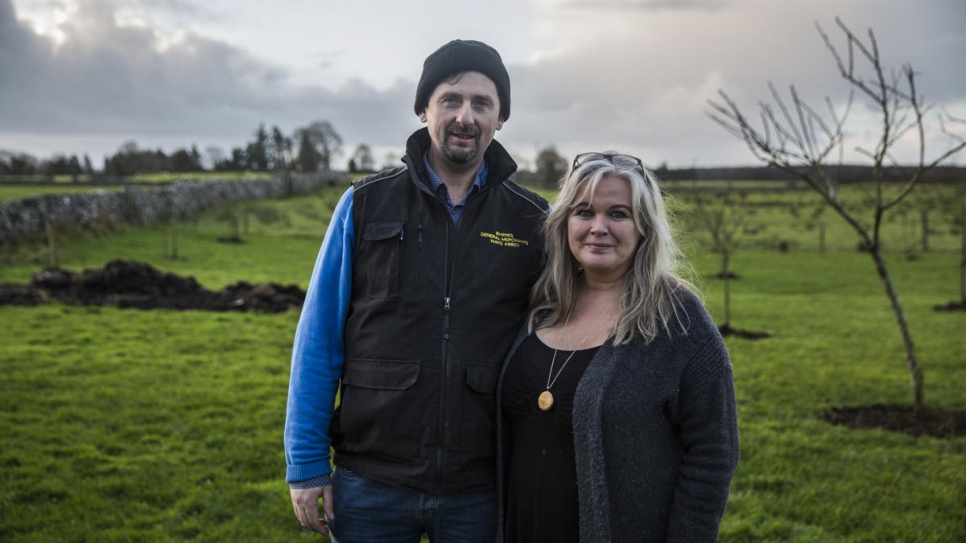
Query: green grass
12, 189
169, 177
835, 343
795, 218
17, 192
143, 426
280, 244
126, 425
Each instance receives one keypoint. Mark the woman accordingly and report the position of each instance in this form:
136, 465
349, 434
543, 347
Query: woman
617, 408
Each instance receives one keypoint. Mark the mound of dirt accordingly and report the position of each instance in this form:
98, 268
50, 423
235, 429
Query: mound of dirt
899, 418
132, 284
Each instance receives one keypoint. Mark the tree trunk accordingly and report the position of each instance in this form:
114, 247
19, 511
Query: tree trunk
912, 363
925, 231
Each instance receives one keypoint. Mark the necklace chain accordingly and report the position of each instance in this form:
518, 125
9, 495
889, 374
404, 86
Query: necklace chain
553, 360
545, 399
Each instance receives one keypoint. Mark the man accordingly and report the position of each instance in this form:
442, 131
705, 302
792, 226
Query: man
421, 282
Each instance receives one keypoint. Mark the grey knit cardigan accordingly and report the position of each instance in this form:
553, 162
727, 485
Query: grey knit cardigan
656, 435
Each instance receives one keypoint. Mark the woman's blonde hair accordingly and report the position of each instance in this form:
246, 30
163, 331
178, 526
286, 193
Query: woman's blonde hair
647, 304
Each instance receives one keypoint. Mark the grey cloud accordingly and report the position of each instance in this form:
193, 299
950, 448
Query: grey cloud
641, 90
647, 93
105, 76
108, 79
176, 7
328, 58
649, 5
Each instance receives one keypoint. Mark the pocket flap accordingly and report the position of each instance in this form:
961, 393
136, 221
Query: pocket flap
482, 378
382, 374
376, 231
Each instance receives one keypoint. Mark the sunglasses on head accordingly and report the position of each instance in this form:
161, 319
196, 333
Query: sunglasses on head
617, 159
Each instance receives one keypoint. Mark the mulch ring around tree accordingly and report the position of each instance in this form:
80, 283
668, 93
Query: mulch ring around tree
132, 284
900, 418
951, 306
726, 330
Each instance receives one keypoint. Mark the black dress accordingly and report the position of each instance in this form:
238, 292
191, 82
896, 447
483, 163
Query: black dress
541, 495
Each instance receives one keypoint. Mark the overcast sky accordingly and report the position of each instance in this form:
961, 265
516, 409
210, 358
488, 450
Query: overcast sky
84, 76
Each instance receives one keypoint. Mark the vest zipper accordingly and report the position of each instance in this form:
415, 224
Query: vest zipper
444, 359
444, 372
445, 369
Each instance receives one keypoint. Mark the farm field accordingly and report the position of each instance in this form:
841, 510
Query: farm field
13, 188
16, 192
128, 425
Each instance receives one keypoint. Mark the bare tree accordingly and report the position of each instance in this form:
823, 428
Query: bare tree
319, 144
797, 139
953, 207
308, 159
810, 212
362, 158
390, 160
724, 215
551, 167
216, 157
256, 152
962, 255
281, 149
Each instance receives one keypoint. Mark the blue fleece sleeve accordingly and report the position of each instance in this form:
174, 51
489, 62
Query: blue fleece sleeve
319, 351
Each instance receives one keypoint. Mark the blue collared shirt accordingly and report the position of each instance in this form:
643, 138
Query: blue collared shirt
455, 210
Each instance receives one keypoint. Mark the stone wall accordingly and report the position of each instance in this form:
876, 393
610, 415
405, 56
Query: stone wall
27, 218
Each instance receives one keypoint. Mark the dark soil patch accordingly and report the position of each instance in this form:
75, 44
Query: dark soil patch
131, 284
951, 306
900, 418
727, 330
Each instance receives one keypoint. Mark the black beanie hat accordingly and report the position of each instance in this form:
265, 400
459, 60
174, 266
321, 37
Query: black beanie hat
460, 56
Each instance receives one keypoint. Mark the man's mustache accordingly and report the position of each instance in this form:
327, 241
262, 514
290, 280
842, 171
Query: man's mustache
470, 132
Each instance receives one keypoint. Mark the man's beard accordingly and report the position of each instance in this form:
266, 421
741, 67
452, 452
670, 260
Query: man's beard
462, 155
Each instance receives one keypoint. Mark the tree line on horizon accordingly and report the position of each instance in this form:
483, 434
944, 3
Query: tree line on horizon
315, 146
308, 149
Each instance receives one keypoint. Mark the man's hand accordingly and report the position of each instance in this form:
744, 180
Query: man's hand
306, 504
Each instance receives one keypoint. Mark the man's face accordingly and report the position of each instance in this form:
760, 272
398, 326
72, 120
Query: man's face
462, 115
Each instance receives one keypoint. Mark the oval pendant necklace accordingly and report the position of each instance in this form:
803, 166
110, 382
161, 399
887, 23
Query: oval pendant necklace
545, 399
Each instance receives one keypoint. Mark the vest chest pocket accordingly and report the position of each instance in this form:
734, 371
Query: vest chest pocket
381, 244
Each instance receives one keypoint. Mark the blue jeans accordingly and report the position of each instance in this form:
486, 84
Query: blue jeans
368, 511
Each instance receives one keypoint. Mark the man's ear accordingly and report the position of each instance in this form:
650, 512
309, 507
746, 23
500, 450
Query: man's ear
499, 124
422, 116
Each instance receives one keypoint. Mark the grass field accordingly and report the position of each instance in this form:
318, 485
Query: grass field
126, 425
12, 189
16, 192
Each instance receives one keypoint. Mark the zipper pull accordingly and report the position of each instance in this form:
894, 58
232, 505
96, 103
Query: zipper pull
446, 318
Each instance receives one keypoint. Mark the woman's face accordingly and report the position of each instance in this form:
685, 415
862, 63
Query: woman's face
601, 230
